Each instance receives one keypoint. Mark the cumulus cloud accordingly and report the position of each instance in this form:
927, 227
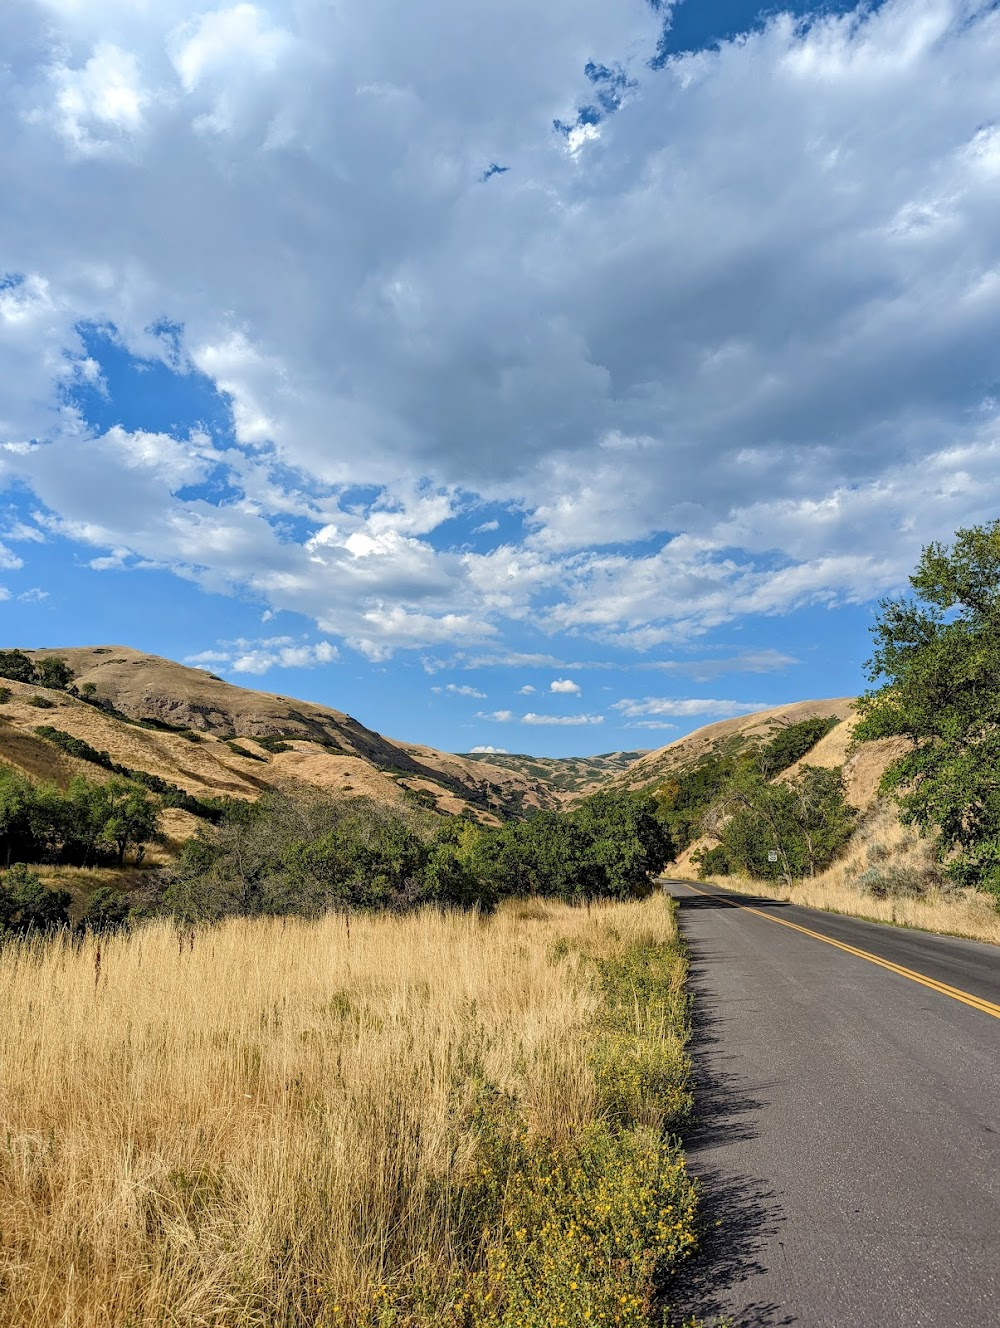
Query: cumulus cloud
566, 686
457, 690
801, 399
526, 690
685, 708
258, 657
495, 751
500, 716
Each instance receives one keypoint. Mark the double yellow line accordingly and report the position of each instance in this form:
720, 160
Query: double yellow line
956, 994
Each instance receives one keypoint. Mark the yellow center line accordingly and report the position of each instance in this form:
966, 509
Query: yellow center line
977, 1002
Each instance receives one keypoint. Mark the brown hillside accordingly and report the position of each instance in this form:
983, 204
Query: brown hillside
199, 715
684, 752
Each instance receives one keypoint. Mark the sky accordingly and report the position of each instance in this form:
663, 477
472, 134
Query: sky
543, 378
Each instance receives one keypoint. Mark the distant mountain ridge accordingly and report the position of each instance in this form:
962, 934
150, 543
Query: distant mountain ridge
563, 774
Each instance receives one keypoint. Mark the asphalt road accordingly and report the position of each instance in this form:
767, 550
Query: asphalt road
848, 1122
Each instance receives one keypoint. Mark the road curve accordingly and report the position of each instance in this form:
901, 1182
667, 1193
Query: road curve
847, 1121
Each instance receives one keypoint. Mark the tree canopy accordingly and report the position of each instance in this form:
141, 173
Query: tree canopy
937, 656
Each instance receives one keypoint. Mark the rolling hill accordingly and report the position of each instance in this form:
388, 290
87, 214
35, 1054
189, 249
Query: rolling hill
862, 768
215, 739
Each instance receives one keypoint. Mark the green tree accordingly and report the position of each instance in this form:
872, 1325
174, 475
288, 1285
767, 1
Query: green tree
629, 844
52, 671
17, 817
127, 816
805, 822
937, 655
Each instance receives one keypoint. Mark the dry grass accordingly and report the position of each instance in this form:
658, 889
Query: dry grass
892, 857
275, 1122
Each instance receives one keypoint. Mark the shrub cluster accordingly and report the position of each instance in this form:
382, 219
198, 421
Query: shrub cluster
49, 672
684, 800
291, 855
28, 907
803, 822
172, 795
90, 823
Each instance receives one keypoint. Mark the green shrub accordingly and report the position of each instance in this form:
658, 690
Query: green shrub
27, 906
275, 744
894, 881
41, 702
107, 910
237, 750
16, 665
52, 671
792, 742
712, 861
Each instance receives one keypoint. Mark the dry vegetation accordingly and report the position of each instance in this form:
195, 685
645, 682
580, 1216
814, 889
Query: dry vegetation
431, 1120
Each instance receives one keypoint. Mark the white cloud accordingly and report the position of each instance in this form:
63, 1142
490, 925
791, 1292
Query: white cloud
33, 596
531, 718
99, 107
227, 42
526, 690
685, 708
457, 690
486, 527
258, 657
812, 406
495, 751
566, 686
500, 716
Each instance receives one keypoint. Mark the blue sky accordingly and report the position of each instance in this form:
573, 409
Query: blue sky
548, 378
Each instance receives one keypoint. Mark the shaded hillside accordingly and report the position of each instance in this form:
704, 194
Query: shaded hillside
562, 774
212, 738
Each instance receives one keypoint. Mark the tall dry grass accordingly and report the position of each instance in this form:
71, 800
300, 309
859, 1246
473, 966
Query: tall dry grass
272, 1122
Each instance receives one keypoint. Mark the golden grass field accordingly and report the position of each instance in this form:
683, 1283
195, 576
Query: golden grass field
439, 1119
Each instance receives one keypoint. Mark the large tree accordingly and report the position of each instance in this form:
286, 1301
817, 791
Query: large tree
937, 656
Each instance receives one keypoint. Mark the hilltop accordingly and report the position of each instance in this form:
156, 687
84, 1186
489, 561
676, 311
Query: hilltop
212, 738
862, 768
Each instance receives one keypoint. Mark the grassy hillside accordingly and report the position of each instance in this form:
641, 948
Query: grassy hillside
215, 739
724, 738
562, 774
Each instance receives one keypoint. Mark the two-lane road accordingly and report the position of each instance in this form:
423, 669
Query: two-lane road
848, 1119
